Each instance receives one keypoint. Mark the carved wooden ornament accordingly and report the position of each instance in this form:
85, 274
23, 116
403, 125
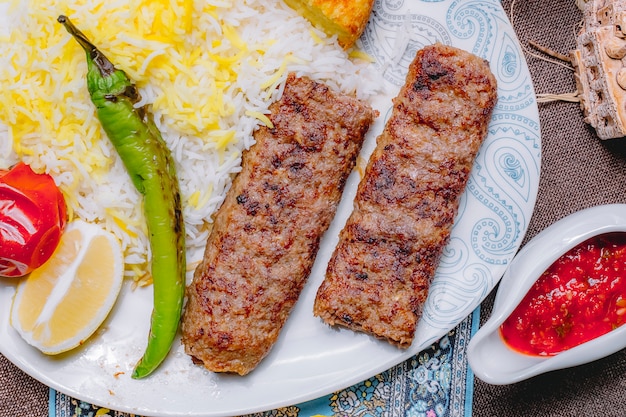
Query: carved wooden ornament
600, 66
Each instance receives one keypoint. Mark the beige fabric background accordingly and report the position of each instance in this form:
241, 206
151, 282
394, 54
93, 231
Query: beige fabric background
20, 395
578, 171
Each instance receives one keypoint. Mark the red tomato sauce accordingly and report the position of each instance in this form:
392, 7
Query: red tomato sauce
581, 296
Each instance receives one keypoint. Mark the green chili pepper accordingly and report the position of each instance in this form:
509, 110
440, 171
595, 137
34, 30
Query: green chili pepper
151, 168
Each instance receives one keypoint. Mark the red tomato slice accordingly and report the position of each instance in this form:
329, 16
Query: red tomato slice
32, 218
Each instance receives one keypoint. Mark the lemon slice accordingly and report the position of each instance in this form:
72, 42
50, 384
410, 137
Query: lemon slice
63, 302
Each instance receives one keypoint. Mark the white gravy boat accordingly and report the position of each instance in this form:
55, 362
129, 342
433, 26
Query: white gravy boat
495, 362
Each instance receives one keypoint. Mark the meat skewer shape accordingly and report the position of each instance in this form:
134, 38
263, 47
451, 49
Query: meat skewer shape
378, 277
267, 232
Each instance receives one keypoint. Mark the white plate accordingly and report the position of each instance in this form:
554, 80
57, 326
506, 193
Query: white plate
311, 359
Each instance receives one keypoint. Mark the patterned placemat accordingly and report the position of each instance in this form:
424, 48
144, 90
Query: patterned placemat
434, 383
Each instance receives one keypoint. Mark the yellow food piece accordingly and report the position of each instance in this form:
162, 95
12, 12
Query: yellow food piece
62, 303
344, 18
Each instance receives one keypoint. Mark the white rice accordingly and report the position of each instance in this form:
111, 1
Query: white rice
40, 63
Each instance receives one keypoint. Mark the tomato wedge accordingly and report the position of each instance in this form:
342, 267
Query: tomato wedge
32, 219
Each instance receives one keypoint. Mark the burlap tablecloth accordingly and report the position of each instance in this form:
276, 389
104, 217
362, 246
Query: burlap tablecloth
578, 171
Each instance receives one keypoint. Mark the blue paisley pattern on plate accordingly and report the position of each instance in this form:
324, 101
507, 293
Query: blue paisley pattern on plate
493, 217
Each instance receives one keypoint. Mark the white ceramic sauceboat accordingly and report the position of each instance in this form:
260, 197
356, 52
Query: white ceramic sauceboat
490, 358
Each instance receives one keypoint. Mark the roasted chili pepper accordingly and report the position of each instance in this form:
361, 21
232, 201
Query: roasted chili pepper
151, 168
32, 219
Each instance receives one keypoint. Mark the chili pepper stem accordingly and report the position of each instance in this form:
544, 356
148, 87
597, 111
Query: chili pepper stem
105, 66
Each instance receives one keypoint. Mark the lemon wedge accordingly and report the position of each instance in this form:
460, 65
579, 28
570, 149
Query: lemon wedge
63, 302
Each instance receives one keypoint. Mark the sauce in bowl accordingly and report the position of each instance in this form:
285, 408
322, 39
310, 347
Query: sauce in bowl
580, 297
583, 239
